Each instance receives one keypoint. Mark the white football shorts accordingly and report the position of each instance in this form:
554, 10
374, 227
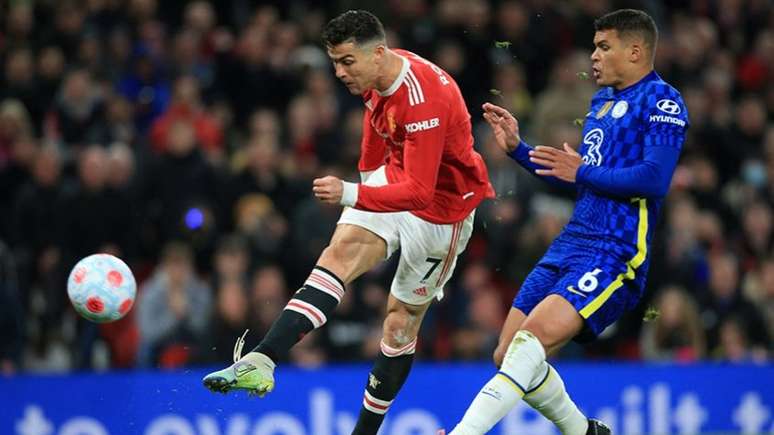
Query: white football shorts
428, 251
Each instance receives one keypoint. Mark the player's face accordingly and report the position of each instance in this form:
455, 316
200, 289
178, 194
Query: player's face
355, 66
609, 59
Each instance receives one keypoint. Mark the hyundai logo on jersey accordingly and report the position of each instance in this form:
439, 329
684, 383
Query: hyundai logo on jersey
668, 106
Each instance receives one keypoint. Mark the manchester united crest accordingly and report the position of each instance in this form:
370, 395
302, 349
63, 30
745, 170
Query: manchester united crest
391, 122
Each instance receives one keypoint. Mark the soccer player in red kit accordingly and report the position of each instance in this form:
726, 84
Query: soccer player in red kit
421, 182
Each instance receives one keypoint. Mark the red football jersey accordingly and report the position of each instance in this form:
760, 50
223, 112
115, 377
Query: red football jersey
420, 129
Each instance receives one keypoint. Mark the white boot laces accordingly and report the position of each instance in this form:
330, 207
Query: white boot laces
240, 343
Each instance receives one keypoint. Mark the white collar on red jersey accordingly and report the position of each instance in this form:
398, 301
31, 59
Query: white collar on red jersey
398, 81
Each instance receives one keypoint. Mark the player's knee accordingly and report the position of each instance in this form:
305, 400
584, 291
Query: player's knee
549, 335
398, 329
523, 356
340, 250
341, 257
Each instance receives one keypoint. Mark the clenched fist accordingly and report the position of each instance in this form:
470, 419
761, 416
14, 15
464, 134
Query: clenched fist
328, 189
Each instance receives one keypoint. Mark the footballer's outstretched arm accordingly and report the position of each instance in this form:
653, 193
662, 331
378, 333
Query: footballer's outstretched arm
421, 158
650, 177
505, 129
523, 155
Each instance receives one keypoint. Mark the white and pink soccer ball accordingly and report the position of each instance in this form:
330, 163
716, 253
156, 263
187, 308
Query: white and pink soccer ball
101, 288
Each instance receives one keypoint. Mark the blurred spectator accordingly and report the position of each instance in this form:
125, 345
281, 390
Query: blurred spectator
735, 345
313, 223
749, 128
510, 89
50, 69
17, 152
229, 321
19, 23
304, 137
759, 289
680, 256
725, 300
118, 124
11, 315
704, 185
232, 260
223, 114
37, 239
199, 16
265, 124
534, 39
477, 339
68, 22
549, 217
90, 52
262, 173
452, 58
564, 101
268, 296
19, 83
677, 333
15, 125
767, 298
189, 60
186, 105
182, 182
244, 73
123, 197
265, 230
348, 329
79, 108
325, 106
475, 311
349, 152
119, 51
756, 66
757, 240
145, 87
96, 218
173, 310
286, 36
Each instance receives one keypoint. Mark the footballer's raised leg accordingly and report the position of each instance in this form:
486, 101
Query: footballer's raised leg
352, 251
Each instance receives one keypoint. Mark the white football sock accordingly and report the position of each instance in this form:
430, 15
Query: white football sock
549, 397
520, 366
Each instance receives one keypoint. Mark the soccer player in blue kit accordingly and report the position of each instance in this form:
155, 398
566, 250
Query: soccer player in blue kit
595, 269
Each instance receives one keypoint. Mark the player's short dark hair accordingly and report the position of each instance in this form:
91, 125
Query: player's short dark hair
630, 22
356, 26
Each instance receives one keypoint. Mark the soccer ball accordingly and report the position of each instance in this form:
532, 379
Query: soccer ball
101, 288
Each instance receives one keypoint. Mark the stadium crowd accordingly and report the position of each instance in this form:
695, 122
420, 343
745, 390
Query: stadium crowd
183, 136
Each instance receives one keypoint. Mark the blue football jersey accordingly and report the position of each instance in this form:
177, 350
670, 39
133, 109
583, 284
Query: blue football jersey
618, 129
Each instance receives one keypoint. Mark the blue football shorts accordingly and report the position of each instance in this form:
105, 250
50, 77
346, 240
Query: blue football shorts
600, 286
